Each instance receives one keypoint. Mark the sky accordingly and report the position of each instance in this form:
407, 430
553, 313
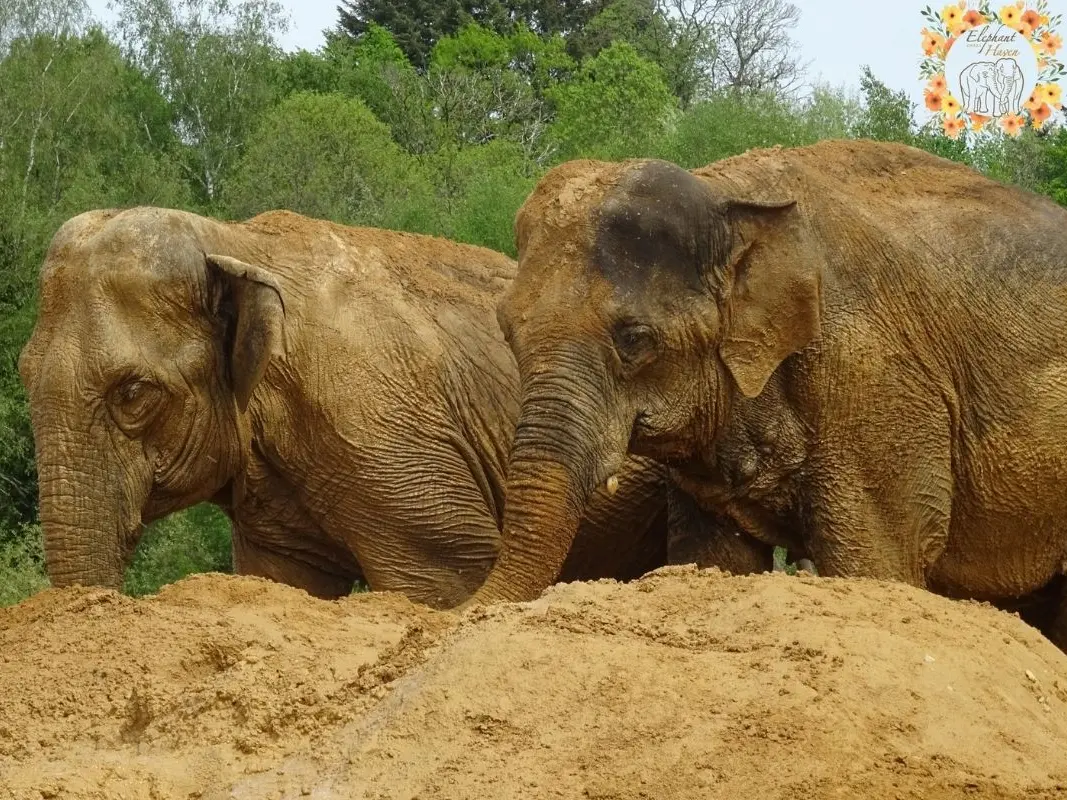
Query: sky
835, 37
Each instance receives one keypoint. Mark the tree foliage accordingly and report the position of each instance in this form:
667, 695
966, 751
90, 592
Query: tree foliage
328, 156
214, 61
617, 105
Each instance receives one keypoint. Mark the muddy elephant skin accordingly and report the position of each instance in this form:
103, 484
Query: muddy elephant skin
344, 394
855, 348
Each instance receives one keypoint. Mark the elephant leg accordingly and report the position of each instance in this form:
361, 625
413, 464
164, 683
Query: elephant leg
423, 521
288, 567
622, 535
708, 540
1044, 609
1057, 631
881, 498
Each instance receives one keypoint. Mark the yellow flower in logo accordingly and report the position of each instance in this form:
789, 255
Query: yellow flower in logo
1009, 15
952, 15
978, 121
1051, 92
950, 105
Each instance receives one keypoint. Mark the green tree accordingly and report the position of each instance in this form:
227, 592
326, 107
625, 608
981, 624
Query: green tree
617, 105
416, 25
489, 183
216, 62
22, 19
643, 24
78, 129
484, 87
327, 156
887, 115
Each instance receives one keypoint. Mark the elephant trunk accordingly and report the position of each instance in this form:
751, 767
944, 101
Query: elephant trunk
561, 453
90, 513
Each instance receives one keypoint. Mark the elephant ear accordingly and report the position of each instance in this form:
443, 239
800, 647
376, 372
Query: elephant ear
253, 300
773, 291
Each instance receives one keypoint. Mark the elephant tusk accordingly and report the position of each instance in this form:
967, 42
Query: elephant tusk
612, 485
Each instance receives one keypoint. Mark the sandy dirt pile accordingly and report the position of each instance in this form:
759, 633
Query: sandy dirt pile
684, 684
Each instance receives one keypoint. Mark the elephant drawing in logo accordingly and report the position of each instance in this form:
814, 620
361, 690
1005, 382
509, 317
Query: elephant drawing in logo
994, 88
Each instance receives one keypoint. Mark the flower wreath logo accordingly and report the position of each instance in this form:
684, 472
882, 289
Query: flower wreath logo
982, 82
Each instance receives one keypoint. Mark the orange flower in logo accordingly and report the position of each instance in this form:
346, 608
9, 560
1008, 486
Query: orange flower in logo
978, 121
1031, 19
932, 42
954, 126
1012, 124
933, 100
948, 46
1051, 43
974, 18
1040, 116
1024, 29
937, 84
1034, 101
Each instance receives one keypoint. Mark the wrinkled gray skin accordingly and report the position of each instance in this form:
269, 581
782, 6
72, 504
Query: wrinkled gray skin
857, 350
345, 395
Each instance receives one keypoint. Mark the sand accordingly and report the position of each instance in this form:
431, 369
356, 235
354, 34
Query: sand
684, 684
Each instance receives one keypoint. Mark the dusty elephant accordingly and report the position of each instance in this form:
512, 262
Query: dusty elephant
856, 345
344, 394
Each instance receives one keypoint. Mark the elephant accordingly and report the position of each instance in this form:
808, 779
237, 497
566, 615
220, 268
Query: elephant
854, 348
344, 394
992, 87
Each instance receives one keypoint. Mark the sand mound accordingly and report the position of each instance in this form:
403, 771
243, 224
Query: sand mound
683, 684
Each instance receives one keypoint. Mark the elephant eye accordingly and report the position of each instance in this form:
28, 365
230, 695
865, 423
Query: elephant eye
634, 342
132, 404
130, 392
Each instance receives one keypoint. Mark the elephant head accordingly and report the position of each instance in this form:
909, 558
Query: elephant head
145, 352
647, 302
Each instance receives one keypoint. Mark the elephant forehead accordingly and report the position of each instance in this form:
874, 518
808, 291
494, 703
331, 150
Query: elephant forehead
564, 203
660, 224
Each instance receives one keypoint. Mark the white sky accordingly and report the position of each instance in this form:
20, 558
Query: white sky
835, 37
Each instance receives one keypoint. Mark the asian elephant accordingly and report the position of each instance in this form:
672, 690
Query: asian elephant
854, 348
992, 87
344, 394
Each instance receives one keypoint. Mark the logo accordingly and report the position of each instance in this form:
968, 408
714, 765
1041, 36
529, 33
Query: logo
991, 71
